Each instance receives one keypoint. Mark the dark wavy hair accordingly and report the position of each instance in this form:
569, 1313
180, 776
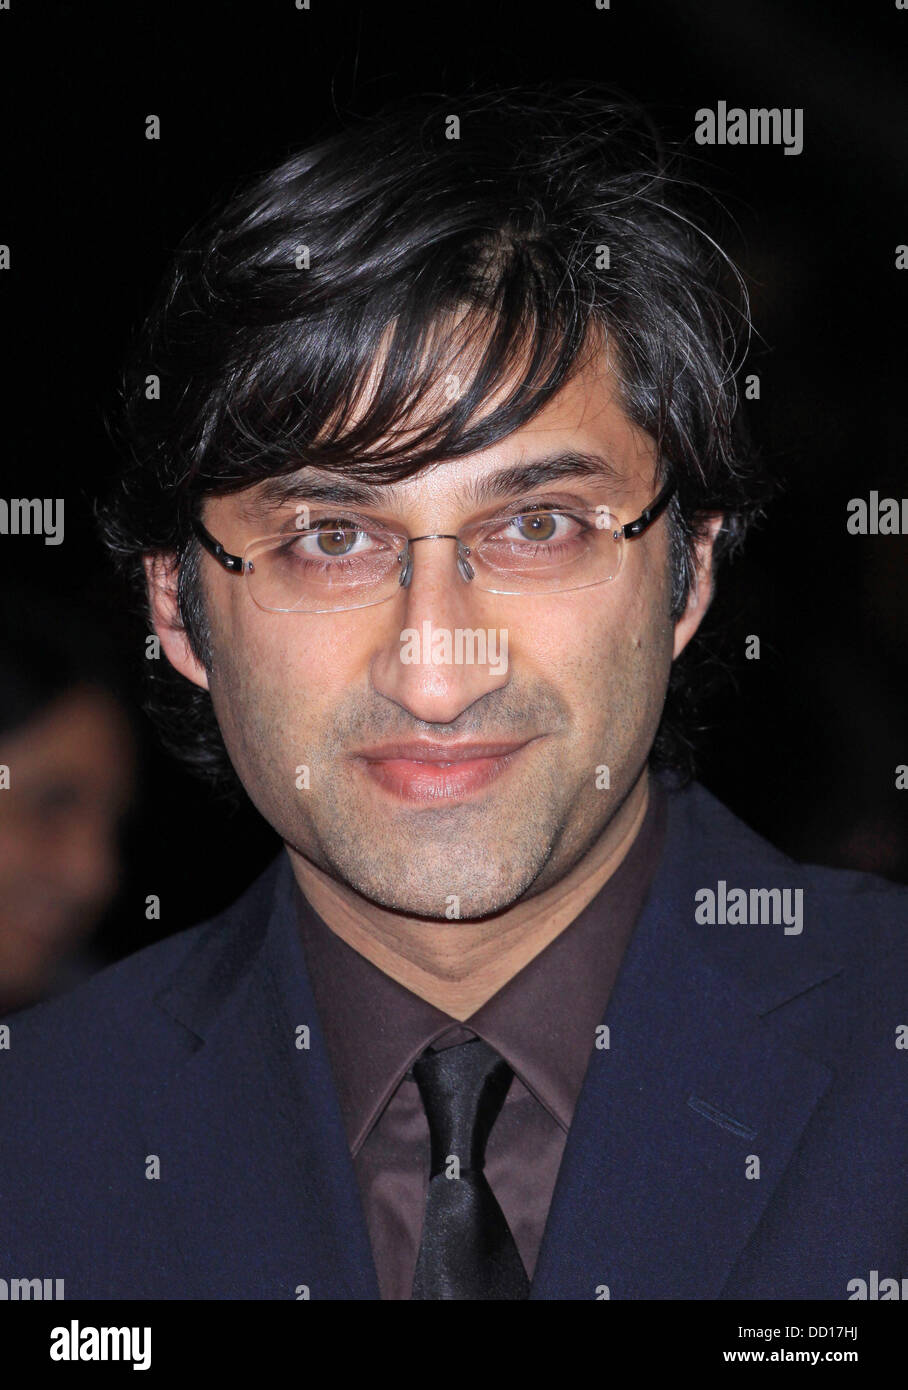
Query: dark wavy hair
261, 363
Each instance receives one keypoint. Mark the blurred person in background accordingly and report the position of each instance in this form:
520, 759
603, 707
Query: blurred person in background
68, 745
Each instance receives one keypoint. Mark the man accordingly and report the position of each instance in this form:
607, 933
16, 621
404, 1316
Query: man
433, 457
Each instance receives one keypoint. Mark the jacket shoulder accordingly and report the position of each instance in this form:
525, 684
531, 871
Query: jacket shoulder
855, 913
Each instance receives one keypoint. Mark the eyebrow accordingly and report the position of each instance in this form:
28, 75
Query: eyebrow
307, 486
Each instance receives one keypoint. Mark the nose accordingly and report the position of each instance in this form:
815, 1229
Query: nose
441, 649
463, 562
89, 859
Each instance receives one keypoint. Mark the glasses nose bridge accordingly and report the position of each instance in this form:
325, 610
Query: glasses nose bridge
463, 564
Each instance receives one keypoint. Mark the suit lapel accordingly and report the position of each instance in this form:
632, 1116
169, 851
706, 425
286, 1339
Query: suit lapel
256, 1179
653, 1198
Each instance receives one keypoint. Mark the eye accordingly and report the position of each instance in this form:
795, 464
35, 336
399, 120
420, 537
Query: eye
334, 540
55, 801
541, 526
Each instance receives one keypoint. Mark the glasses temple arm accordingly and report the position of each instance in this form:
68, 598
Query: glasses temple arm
647, 517
230, 562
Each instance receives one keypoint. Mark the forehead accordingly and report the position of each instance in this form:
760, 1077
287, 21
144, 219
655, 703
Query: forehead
582, 432
588, 410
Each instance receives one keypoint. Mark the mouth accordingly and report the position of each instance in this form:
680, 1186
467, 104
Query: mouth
433, 773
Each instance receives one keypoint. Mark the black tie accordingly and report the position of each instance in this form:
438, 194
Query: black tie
467, 1250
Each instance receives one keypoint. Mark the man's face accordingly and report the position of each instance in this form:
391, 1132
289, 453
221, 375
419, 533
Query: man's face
73, 766
583, 687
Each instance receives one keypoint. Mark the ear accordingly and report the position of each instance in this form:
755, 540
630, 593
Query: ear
701, 590
161, 573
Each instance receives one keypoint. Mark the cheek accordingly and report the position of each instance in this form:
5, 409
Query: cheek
647, 654
273, 671
23, 849
650, 633
646, 604
609, 656
602, 637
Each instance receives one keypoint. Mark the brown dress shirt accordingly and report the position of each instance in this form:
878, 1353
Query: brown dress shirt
543, 1022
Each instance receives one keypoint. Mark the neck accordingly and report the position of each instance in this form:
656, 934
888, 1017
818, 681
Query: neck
457, 966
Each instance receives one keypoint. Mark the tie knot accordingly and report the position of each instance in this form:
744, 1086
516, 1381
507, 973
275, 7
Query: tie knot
463, 1089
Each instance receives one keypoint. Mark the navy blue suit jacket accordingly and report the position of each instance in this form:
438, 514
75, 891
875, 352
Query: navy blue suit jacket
163, 1134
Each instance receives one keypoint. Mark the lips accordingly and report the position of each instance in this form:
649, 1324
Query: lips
418, 752
437, 773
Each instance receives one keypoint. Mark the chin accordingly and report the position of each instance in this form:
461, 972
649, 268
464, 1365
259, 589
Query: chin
451, 901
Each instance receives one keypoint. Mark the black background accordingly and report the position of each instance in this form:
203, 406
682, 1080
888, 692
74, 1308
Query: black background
805, 742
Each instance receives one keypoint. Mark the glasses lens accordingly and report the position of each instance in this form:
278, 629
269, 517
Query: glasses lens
324, 569
545, 551
338, 565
